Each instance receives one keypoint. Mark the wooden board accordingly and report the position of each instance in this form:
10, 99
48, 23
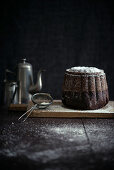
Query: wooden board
58, 110
18, 107
23, 107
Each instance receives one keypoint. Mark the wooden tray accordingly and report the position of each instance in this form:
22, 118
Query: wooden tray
58, 110
18, 107
23, 107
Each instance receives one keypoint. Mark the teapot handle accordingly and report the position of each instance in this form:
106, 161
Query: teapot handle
14, 94
8, 71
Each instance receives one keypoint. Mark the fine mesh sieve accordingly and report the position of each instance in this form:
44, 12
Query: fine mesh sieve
41, 101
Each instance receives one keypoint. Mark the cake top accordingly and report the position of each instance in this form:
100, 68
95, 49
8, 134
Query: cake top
85, 70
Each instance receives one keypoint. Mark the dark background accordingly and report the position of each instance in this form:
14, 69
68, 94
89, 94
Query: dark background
57, 35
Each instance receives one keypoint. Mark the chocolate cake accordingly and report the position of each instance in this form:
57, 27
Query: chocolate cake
85, 88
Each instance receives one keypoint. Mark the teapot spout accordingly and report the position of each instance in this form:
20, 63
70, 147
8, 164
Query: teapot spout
38, 86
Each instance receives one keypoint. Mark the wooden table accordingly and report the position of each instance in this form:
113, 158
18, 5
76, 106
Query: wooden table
55, 143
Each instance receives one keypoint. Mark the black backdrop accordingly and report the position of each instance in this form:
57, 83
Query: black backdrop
56, 35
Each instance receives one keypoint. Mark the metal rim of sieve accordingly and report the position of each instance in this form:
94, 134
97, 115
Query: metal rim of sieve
49, 98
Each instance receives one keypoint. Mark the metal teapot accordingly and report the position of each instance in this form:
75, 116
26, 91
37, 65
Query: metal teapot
25, 81
25, 86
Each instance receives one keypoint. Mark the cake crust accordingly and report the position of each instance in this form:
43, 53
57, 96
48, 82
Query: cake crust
85, 88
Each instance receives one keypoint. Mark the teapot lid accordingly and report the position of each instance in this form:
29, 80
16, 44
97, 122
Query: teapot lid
24, 64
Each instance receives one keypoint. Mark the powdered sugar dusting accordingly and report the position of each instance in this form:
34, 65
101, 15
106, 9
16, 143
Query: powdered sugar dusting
83, 69
109, 108
60, 109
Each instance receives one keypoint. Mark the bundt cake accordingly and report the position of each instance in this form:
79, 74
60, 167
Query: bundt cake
85, 88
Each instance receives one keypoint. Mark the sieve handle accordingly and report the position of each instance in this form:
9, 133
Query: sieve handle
26, 113
30, 112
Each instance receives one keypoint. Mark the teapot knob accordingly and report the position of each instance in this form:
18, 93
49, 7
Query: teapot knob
24, 60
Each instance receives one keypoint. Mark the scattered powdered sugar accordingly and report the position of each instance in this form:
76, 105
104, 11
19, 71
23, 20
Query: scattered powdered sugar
83, 69
45, 103
43, 140
60, 108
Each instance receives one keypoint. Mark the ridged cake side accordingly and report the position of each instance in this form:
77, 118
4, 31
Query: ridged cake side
84, 91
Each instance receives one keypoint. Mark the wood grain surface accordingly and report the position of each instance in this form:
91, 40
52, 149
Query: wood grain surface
50, 143
57, 109
18, 107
